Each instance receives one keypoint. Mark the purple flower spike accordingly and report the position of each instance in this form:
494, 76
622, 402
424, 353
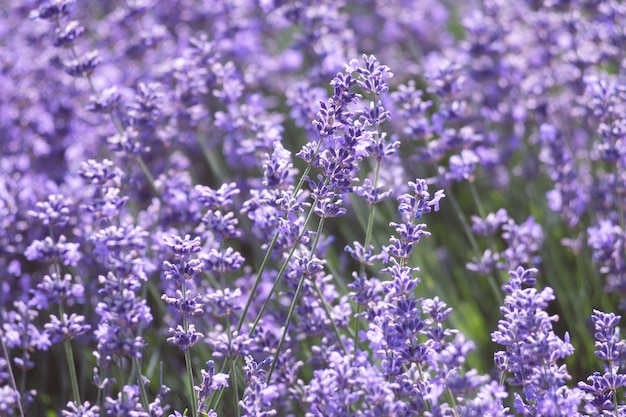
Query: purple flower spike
532, 350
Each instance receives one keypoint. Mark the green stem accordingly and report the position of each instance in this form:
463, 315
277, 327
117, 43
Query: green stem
233, 372
116, 122
332, 322
281, 271
296, 297
142, 388
477, 201
372, 209
147, 174
188, 363
212, 161
257, 281
192, 393
470, 236
5, 353
268, 253
368, 238
72, 370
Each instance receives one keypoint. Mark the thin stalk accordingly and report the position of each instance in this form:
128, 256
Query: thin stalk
269, 296
188, 363
268, 253
332, 322
257, 281
214, 164
5, 353
71, 366
614, 393
452, 402
142, 388
477, 201
192, 393
281, 271
118, 124
233, 371
468, 232
368, 238
292, 307
67, 345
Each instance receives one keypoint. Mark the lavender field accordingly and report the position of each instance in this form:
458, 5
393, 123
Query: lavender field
319, 208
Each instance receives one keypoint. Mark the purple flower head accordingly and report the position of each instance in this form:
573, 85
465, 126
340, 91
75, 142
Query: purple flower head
66, 328
184, 339
8, 401
183, 247
366, 256
488, 402
84, 65
258, 395
277, 170
145, 111
239, 344
127, 141
461, 167
523, 241
50, 251
222, 225
19, 331
601, 388
599, 391
211, 382
445, 77
227, 260
607, 241
185, 267
413, 108
347, 383
107, 102
186, 305
100, 172
607, 104
53, 10
127, 403
53, 212
373, 76
607, 332
533, 349
416, 203
224, 302
490, 225
57, 290
410, 234
65, 36
113, 241
122, 313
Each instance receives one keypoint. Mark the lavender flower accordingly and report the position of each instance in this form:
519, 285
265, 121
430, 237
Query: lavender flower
187, 303
533, 350
523, 242
211, 382
600, 391
82, 410
55, 211
65, 328
53, 10
8, 400
126, 403
258, 394
141, 140
122, 314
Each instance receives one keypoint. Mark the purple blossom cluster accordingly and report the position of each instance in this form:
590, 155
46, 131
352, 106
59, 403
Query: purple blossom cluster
195, 201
